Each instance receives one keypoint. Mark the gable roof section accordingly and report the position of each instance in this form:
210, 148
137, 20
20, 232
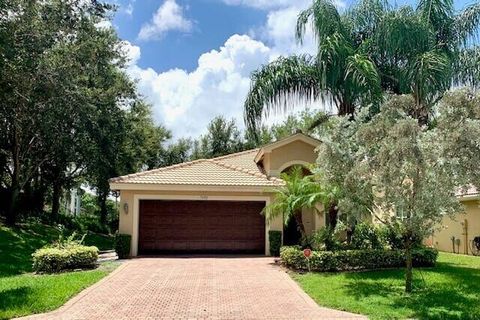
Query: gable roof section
236, 169
280, 143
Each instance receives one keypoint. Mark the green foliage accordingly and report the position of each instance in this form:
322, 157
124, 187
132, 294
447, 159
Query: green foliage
369, 49
366, 236
343, 260
17, 245
275, 241
325, 239
121, 244
28, 294
57, 258
298, 192
404, 173
69, 112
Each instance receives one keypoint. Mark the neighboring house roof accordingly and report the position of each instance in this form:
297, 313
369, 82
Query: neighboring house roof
238, 169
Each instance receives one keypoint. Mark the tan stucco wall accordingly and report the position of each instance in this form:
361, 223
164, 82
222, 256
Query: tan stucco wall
455, 227
296, 152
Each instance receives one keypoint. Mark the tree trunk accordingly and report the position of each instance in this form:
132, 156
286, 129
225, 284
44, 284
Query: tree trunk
346, 109
102, 201
11, 217
56, 193
299, 220
332, 216
409, 267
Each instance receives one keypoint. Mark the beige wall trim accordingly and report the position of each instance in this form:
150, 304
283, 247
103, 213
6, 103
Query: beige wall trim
180, 187
276, 173
138, 197
469, 197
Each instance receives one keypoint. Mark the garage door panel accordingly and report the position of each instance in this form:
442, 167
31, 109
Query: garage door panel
201, 226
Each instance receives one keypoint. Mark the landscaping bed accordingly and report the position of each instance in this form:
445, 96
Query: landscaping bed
360, 259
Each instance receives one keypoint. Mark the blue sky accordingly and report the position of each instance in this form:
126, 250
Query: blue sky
192, 58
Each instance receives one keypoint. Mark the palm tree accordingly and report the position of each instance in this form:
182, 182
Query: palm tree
421, 51
298, 192
369, 49
340, 74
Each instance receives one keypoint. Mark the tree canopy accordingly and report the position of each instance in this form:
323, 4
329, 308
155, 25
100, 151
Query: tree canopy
403, 173
67, 108
371, 48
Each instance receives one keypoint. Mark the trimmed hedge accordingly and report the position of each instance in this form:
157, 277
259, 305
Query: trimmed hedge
121, 244
52, 260
344, 260
275, 240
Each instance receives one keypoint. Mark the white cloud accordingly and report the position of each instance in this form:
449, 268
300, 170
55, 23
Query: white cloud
129, 8
262, 4
132, 52
168, 17
277, 4
186, 101
104, 24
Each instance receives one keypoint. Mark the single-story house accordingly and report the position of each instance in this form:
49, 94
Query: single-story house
212, 205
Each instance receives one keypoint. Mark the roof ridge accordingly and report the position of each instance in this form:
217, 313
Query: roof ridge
174, 166
244, 170
231, 155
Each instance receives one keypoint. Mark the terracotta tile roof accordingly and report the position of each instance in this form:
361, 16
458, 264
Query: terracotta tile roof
238, 169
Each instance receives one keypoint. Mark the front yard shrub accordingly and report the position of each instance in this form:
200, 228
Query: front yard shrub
325, 239
366, 236
121, 244
56, 259
275, 240
344, 260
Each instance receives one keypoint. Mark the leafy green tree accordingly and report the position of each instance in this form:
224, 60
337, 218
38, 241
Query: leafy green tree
177, 152
67, 108
223, 137
32, 82
406, 175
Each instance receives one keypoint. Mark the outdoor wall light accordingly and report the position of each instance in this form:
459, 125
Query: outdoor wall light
125, 208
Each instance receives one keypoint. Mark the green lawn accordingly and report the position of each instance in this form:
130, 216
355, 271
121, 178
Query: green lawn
451, 290
23, 293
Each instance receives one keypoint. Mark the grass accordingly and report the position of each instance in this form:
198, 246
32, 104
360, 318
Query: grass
18, 244
451, 290
22, 292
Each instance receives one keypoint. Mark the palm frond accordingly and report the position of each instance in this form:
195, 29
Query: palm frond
467, 68
467, 24
363, 76
277, 86
332, 57
325, 20
429, 76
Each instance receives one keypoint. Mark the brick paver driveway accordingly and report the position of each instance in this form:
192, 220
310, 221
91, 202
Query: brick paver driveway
196, 288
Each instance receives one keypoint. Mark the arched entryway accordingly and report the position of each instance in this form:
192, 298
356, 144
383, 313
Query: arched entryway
291, 232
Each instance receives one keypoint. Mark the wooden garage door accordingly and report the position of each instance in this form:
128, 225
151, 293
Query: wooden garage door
201, 226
